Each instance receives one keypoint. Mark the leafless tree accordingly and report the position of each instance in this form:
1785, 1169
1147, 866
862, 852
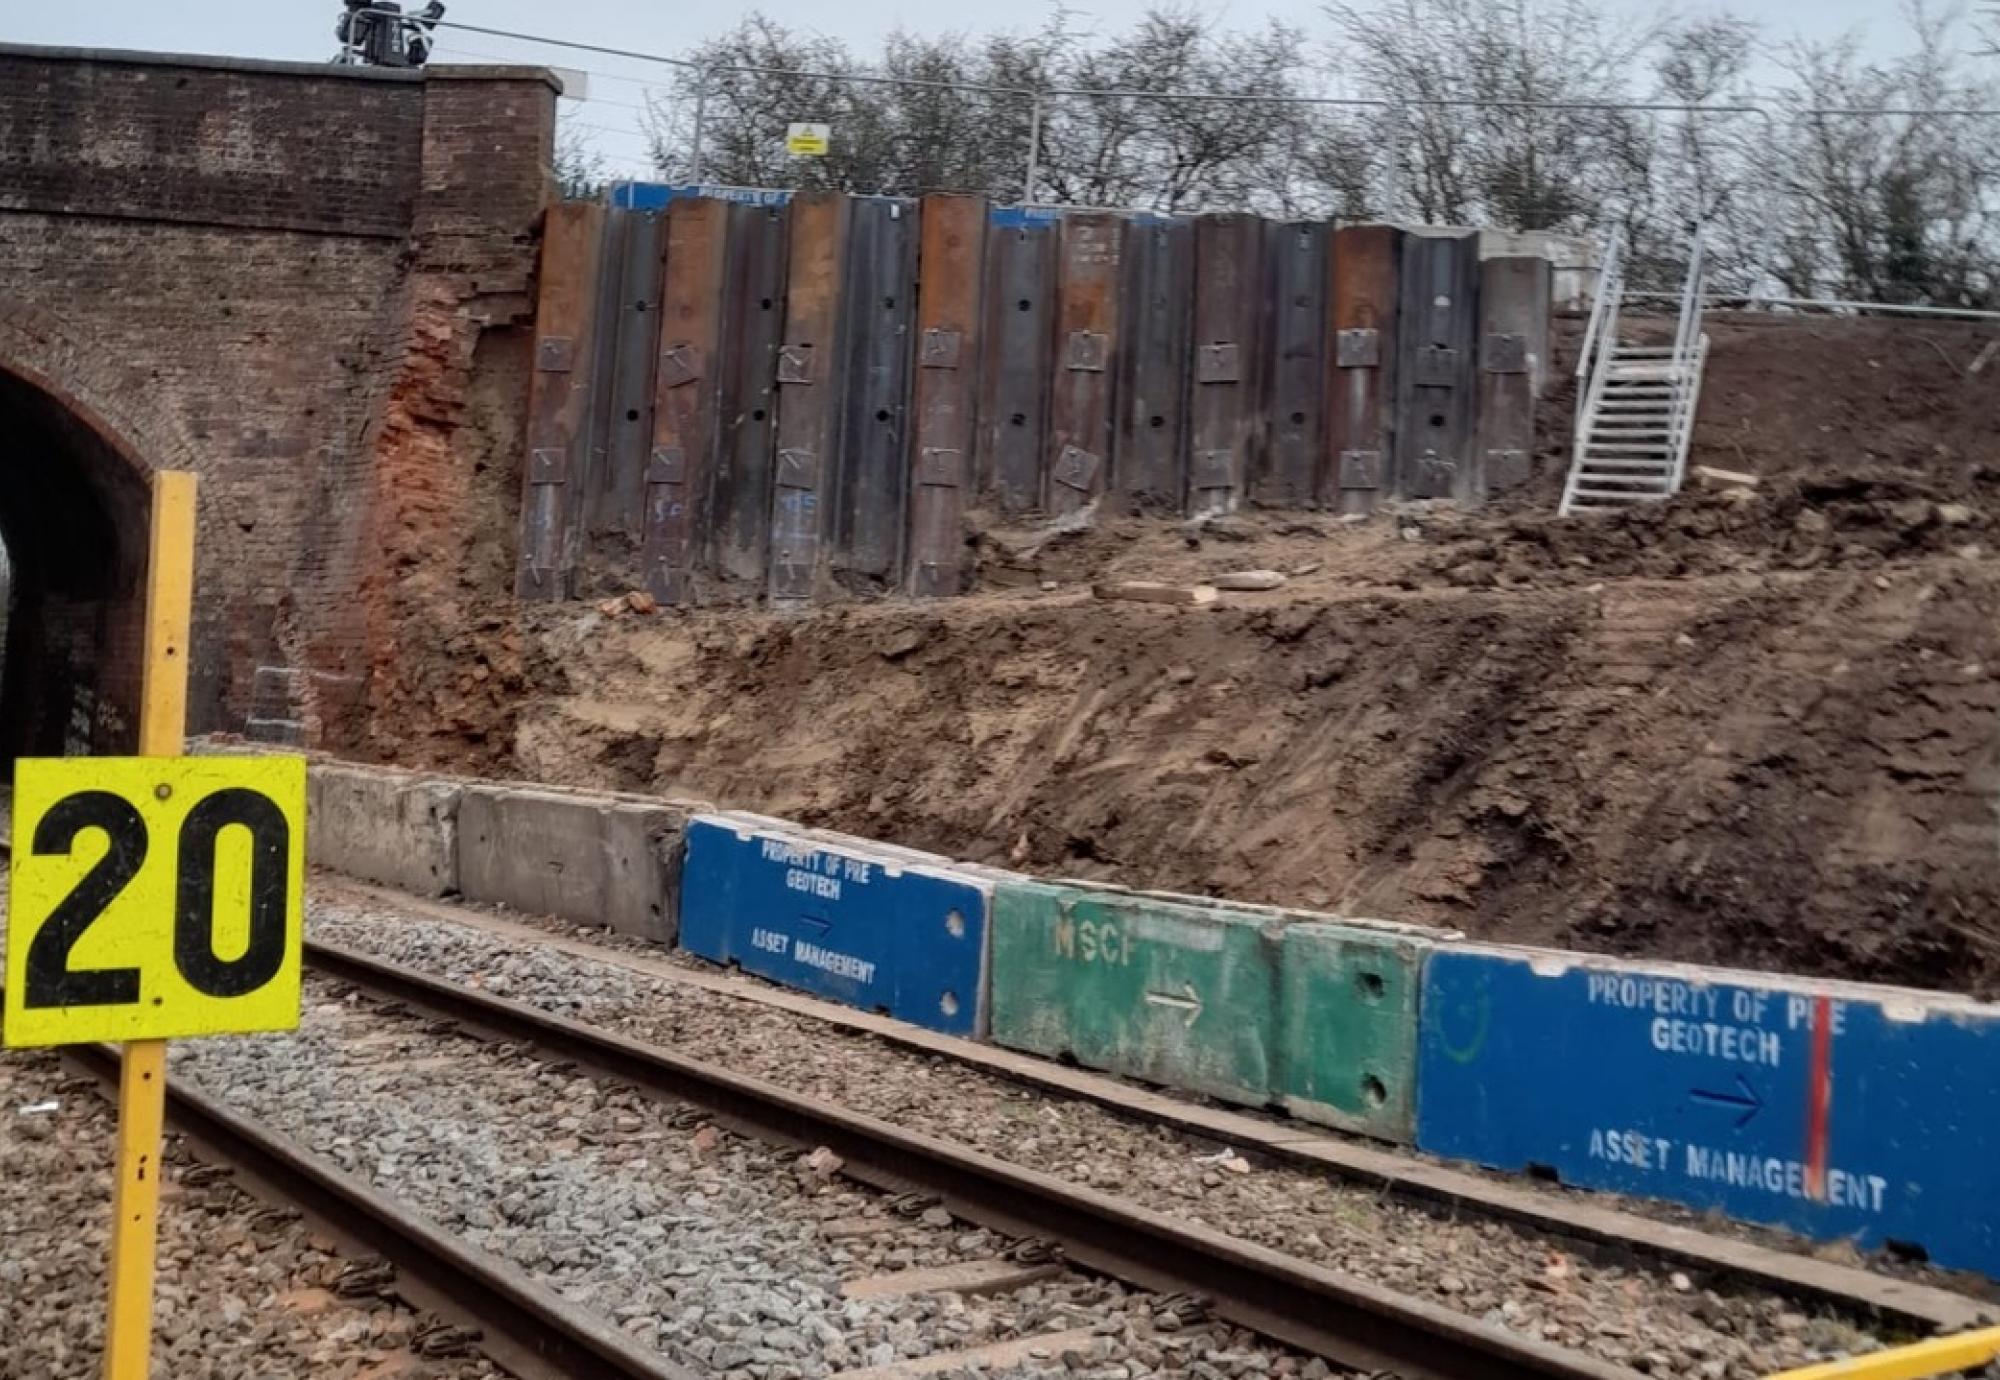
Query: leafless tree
1509, 116
1699, 169
1232, 141
580, 168
960, 116
1508, 120
760, 78
1888, 207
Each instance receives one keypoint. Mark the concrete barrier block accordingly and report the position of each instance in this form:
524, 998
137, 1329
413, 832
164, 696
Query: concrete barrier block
580, 857
1183, 995
644, 847
387, 827
1839, 1110
1347, 1026
534, 851
843, 919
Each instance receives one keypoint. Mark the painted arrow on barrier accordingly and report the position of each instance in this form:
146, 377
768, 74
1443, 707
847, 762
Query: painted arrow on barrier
1187, 1000
1745, 1101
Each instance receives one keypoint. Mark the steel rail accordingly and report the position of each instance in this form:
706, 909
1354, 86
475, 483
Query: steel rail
521, 1324
1346, 1321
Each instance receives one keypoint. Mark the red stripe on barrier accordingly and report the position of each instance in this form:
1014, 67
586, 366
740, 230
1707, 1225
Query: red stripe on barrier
1819, 1098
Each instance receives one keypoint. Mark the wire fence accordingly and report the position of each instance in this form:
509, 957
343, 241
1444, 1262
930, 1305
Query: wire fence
1804, 203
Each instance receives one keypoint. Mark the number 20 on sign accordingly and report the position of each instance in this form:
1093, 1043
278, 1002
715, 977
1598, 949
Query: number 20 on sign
153, 898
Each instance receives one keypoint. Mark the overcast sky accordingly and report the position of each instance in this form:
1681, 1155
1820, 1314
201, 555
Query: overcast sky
303, 30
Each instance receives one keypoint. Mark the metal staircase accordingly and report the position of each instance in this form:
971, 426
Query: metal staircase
1635, 403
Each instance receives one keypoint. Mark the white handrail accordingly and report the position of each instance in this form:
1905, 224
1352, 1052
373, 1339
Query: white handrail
1691, 298
1684, 414
1679, 367
1690, 354
1592, 396
1610, 288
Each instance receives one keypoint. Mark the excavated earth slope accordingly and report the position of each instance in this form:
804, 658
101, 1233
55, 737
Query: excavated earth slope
1758, 727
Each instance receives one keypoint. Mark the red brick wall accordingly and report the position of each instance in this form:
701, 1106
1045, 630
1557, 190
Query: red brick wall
276, 275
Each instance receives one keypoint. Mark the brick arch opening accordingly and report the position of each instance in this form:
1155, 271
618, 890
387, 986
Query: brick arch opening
74, 510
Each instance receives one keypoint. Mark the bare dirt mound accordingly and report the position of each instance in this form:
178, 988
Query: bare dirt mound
1794, 769
1757, 727
1810, 395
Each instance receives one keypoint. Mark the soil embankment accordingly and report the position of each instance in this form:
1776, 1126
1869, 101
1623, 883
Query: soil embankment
1758, 727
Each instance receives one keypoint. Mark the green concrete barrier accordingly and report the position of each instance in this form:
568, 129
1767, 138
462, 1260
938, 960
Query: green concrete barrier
1347, 1026
1176, 994
1248, 1003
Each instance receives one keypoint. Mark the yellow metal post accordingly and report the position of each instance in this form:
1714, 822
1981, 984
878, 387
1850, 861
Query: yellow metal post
1938, 1356
169, 605
142, 1084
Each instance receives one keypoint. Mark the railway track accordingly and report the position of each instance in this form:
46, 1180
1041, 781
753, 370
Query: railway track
1348, 1323
535, 1331
522, 1325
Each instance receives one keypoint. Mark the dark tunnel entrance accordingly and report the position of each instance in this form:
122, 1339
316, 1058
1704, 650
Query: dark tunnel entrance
73, 515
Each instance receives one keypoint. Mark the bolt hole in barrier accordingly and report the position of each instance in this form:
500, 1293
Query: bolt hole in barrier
1838, 1110
1251, 1004
866, 924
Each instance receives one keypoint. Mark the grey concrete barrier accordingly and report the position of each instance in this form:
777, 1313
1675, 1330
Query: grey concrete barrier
595, 857
585, 858
388, 827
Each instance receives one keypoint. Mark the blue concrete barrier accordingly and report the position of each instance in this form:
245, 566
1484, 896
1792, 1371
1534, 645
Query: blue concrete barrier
872, 928
1838, 1110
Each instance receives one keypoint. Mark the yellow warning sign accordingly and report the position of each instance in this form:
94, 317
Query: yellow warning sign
808, 140
154, 897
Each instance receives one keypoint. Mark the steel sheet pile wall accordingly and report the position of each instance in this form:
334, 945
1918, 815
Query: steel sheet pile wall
1227, 251
1014, 388
1079, 444
1290, 466
682, 456
954, 229
816, 399
1514, 301
1152, 409
558, 401
1435, 389
737, 540
622, 418
1362, 384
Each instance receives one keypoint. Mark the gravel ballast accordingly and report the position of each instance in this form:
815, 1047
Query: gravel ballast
1659, 1321
243, 1291
727, 1255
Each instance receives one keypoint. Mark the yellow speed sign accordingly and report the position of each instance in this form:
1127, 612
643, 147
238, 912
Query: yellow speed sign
154, 897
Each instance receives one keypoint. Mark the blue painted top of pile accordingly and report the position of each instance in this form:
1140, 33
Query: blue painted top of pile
655, 196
